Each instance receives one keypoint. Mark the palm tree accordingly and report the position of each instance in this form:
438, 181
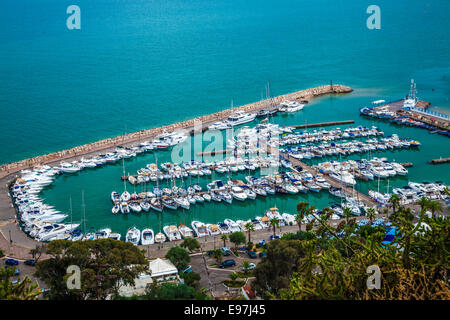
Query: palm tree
434, 206
224, 238
446, 191
423, 203
394, 200
371, 214
250, 228
347, 214
217, 254
275, 224
303, 209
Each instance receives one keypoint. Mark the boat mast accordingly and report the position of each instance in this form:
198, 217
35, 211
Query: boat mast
124, 182
84, 210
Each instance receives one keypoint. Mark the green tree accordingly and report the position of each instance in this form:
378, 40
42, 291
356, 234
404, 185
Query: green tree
237, 238
105, 265
371, 214
303, 209
394, 200
434, 206
347, 214
38, 251
179, 257
415, 266
224, 238
191, 244
174, 291
275, 224
192, 279
22, 290
217, 254
250, 228
246, 266
233, 276
423, 203
275, 271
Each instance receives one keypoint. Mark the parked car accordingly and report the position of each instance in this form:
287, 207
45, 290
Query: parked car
30, 262
225, 251
252, 254
228, 263
262, 254
250, 267
16, 272
11, 262
188, 269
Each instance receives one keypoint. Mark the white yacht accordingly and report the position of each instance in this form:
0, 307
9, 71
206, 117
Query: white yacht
233, 226
290, 106
199, 228
238, 193
147, 236
133, 235
240, 117
185, 231
172, 232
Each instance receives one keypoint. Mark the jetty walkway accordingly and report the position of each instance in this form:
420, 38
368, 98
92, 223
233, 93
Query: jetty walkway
127, 139
333, 182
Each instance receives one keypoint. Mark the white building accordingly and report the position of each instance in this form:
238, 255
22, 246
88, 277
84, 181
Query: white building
161, 270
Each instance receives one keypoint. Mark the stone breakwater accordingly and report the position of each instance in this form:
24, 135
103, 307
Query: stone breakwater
303, 95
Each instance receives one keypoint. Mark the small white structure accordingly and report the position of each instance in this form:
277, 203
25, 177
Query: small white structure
160, 269
163, 270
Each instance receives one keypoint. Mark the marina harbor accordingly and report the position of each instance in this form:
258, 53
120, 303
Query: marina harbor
262, 160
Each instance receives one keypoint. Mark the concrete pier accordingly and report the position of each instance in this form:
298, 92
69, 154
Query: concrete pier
188, 125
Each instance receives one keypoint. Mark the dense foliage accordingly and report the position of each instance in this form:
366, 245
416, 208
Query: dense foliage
333, 263
21, 290
179, 257
105, 265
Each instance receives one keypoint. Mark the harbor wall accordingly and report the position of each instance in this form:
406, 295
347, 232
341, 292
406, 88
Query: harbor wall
303, 95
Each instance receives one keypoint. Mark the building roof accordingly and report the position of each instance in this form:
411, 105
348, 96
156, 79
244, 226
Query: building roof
162, 267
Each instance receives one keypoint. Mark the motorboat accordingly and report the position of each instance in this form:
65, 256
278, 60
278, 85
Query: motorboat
238, 193
114, 236
172, 233
160, 237
147, 236
133, 235
240, 117
233, 226
223, 227
145, 205
125, 196
124, 208
199, 228
213, 229
182, 202
103, 233
185, 231
135, 206
156, 205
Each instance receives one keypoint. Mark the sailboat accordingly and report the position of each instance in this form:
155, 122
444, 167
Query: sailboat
125, 196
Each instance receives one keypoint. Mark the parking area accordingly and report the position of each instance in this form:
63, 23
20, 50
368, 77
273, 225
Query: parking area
212, 275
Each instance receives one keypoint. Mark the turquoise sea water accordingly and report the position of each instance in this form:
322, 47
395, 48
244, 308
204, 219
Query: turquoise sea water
138, 64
